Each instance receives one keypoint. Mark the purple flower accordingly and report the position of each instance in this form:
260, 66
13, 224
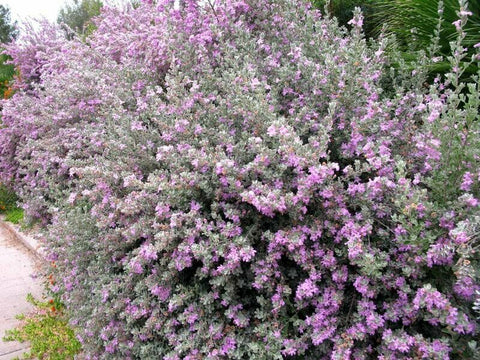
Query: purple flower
162, 292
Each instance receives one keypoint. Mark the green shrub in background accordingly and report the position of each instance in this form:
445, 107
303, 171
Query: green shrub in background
8, 199
343, 11
14, 216
47, 330
414, 23
401, 16
6, 74
8, 32
8, 205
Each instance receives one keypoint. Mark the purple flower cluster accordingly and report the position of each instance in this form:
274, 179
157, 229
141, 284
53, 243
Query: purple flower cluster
244, 179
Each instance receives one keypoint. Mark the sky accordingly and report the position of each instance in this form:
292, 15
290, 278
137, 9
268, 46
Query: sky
24, 9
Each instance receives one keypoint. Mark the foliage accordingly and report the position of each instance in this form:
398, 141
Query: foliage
8, 199
8, 32
14, 216
343, 11
47, 331
7, 72
246, 179
77, 15
8, 205
8, 29
414, 21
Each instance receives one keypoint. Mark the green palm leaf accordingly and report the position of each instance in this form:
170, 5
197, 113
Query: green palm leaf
414, 21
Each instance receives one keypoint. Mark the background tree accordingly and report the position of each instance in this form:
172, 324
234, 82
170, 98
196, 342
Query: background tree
77, 15
8, 31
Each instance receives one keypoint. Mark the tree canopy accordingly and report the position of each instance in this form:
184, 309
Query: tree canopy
77, 15
8, 29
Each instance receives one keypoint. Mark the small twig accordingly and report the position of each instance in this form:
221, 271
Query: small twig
209, 2
350, 310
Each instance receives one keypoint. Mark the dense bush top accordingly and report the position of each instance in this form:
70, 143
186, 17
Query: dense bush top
246, 180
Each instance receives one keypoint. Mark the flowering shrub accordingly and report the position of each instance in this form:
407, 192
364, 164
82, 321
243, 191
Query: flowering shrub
246, 179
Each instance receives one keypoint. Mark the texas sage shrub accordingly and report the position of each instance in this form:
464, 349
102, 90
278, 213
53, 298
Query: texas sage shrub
245, 179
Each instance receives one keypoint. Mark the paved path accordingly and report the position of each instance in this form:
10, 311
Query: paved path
18, 267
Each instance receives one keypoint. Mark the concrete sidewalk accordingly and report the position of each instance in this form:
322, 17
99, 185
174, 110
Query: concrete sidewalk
19, 270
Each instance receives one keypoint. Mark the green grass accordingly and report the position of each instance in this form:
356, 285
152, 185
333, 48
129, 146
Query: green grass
8, 205
47, 331
14, 215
